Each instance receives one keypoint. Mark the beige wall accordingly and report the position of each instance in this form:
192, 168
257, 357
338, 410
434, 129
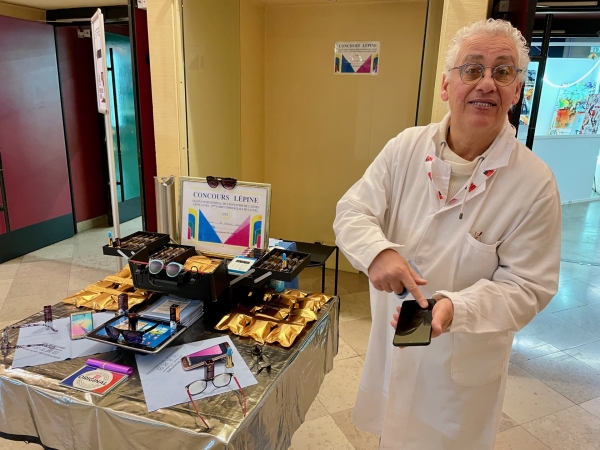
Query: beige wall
252, 53
322, 129
212, 62
427, 92
166, 65
457, 14
22, 12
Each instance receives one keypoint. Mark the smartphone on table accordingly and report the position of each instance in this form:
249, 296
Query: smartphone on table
81, 324
414, 324
198, 359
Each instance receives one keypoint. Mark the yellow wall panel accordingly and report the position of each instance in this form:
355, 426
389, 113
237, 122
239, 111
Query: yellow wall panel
212, 63
252, 53
165, 65
322, 130
457, 14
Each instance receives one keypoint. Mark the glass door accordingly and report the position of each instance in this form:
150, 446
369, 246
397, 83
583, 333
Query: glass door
120, 86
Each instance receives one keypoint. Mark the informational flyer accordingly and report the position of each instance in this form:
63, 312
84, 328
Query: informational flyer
357, 57
223, 221
99, 46
59, 345
164, 380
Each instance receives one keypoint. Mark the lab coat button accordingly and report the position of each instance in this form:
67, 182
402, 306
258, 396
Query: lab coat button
418, 260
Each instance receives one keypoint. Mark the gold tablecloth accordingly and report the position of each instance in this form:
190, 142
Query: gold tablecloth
33, 405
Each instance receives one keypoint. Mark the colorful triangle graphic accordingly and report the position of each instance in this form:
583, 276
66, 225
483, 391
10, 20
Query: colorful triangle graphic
366, 67
241, 236
206, 232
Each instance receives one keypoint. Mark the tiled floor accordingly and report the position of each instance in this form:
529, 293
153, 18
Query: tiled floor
553, 390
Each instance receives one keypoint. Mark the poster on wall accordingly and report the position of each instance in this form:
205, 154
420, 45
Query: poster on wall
592, 115
570, 108
357, 58
99, 46
221, 221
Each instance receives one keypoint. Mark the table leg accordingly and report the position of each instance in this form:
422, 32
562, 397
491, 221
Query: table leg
323, 278
337, 258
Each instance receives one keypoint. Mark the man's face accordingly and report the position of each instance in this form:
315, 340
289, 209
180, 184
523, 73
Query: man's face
482, 106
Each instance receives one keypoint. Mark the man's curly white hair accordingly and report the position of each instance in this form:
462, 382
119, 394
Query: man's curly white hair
491, 28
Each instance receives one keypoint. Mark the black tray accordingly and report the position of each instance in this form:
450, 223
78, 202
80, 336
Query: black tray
207, 287
97, 335
162, 239
277, 275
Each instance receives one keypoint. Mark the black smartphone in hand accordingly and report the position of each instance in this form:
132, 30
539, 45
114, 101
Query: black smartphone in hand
414, 324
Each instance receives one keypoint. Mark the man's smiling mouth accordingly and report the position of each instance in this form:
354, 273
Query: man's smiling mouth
483, 104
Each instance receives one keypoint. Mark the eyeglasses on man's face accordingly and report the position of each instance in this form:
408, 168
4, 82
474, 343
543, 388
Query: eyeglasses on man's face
503, 75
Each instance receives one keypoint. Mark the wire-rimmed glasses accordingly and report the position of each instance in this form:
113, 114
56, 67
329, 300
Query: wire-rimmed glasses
220, 381
503, 75
260, 360
6, 346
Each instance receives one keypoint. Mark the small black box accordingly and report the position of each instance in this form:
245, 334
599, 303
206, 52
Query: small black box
207, 287
160, 240
303, 258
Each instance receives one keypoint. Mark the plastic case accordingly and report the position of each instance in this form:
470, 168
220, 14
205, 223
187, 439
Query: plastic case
207, 287
277, 275
162, 239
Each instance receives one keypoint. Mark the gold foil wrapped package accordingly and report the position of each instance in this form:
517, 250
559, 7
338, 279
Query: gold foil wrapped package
257, 329
285, 334
102, 295
313, 305
125, 273
321, 298
285, 299
295, 293
234, 322
250, 309
201, 263
302, 316
274, 313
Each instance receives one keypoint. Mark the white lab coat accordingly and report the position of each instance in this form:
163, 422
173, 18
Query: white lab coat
449, 395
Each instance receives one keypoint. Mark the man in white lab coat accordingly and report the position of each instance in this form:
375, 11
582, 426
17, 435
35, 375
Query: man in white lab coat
479, 216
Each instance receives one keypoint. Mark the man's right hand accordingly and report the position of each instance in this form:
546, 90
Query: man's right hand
390, 272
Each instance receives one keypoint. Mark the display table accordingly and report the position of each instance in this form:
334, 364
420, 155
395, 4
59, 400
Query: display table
34, 407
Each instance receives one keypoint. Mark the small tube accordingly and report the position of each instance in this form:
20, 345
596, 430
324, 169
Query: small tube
48, 316
175, 319
229, 360
133, 321
123, 301
110, 240
210, 370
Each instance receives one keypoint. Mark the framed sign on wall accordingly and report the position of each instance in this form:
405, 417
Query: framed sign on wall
224, 222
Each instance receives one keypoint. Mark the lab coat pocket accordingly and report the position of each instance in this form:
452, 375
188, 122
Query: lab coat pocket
477, 261
479, 359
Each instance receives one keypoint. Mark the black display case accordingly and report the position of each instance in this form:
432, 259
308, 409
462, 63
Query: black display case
278, 274
207, 287
160, 240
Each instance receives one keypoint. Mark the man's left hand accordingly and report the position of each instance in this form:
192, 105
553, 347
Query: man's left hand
443, 313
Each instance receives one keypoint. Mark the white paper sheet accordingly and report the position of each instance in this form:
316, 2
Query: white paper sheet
164, 380
64, 347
